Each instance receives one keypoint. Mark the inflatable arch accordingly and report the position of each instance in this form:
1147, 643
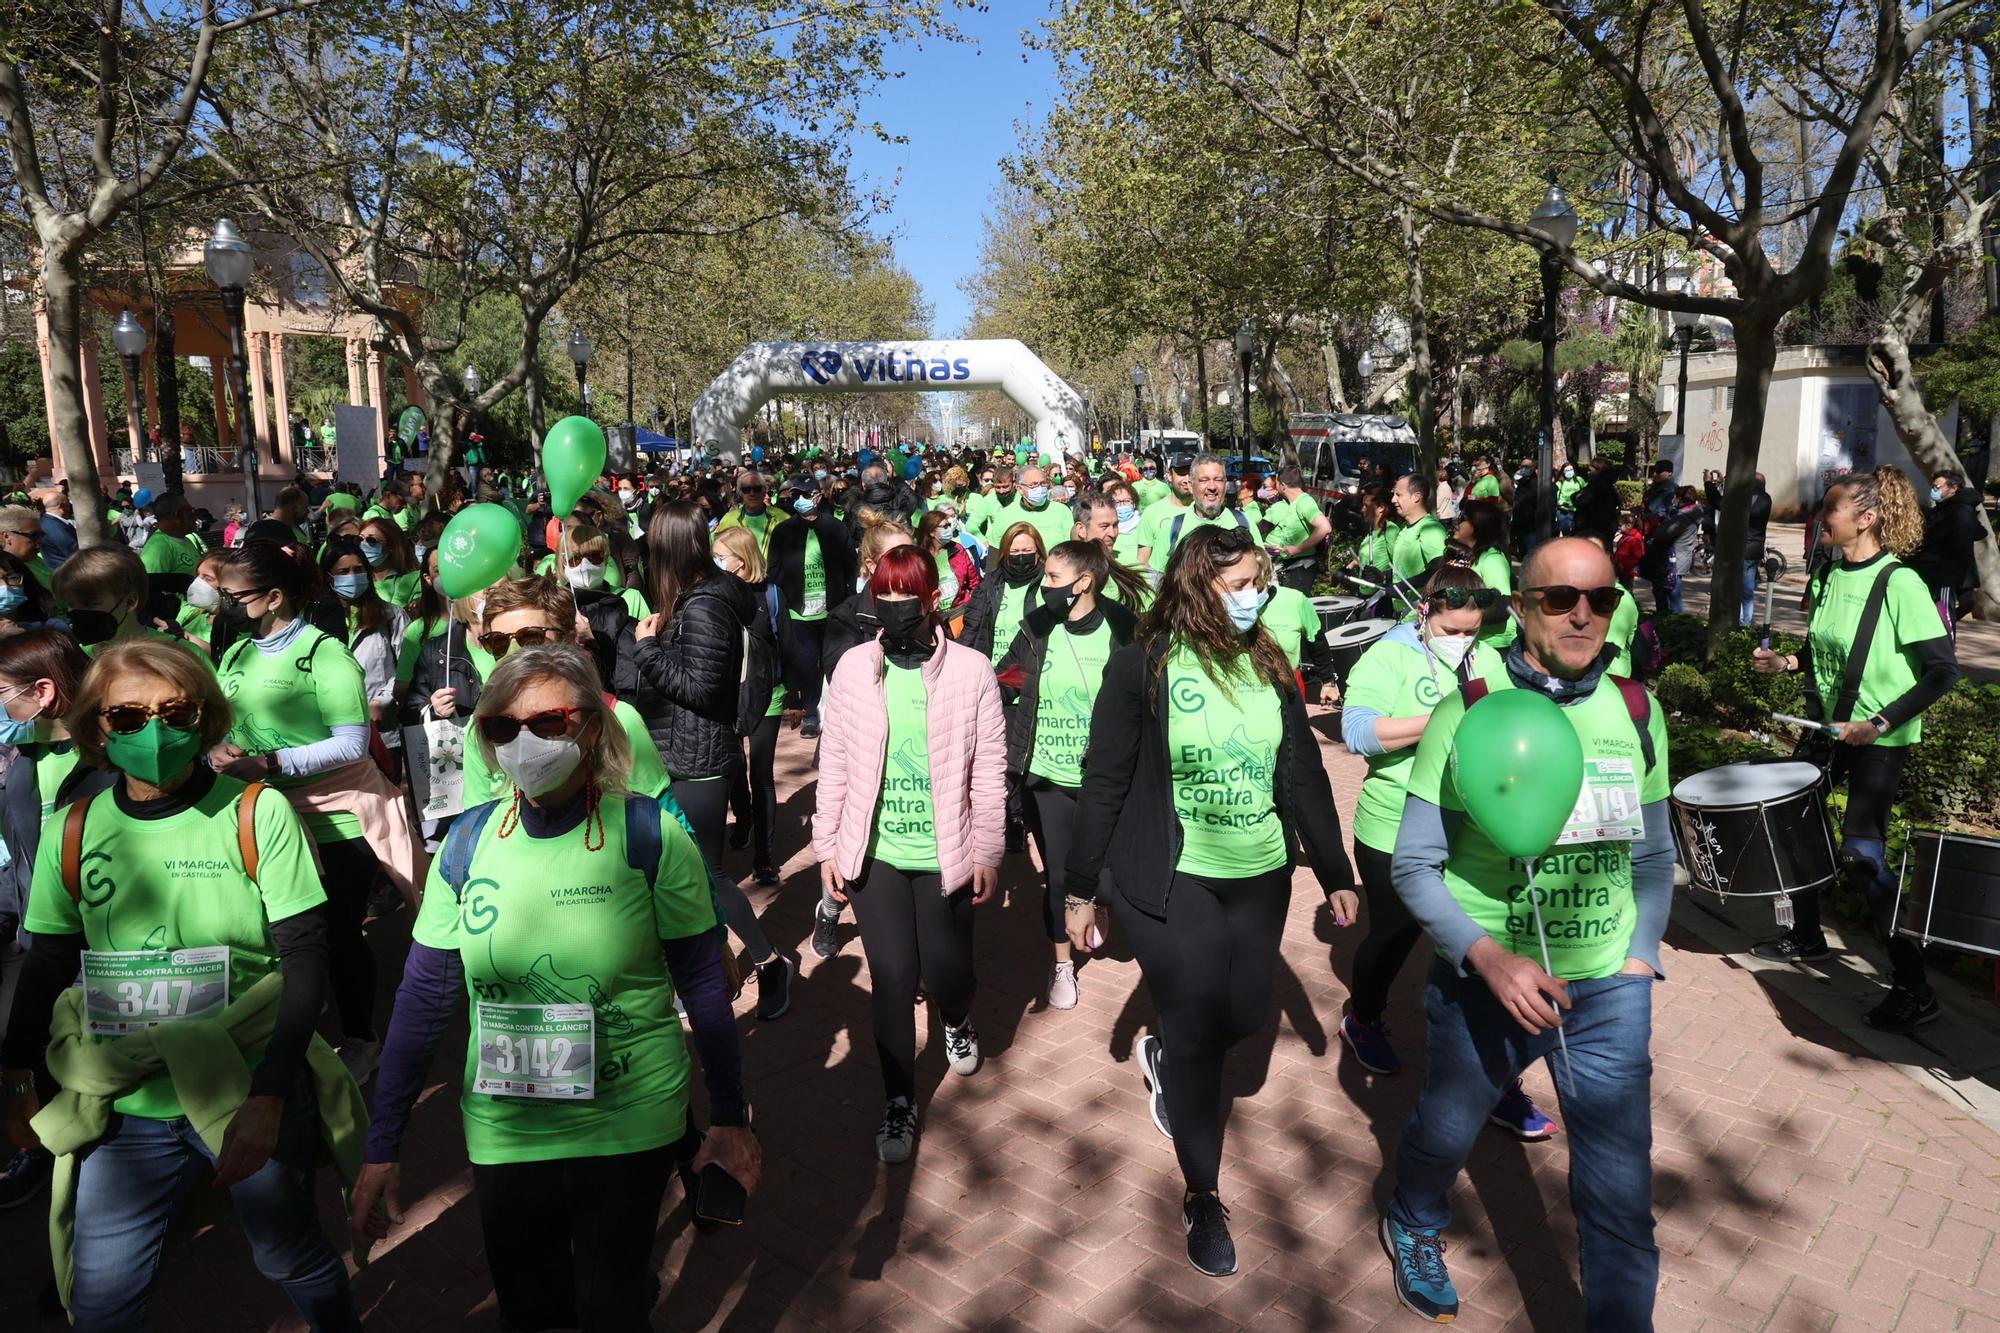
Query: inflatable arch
768, 370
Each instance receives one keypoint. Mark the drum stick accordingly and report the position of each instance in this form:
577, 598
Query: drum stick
1807, 723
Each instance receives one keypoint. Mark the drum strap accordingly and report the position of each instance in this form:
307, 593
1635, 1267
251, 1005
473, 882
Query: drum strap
1638, 706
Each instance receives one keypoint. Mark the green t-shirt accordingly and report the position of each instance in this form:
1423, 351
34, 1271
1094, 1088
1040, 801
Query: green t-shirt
164, 553
1566, 489
1909, 616
1624, 626
1584, 885
549, 921
342, 500
1417, 545
1054, 521
1125, 546
1290, 618
1395, 678
295, 697
1072, 673
399, 589
1223, 753
905, 833
1007, 617
177, 883
948, 589
1151, 490
815, 592
649, 775
1497, 572
1292, 520
1486, 488
1166, 537
1378, 548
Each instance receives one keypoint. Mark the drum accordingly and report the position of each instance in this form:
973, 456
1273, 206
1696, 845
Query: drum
1950, 892
1347, 642
1754, 830
1334, 611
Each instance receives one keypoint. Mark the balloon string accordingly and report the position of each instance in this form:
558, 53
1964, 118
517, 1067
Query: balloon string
1542, 934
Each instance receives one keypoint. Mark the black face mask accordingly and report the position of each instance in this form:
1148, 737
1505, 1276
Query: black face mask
903, 622
1059, 598
1019, 569
92, 626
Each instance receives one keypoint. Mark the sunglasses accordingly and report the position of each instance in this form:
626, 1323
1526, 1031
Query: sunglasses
549, 724
1560, 598
124, 719
497, 642
752, 490
1483, 598
34, 536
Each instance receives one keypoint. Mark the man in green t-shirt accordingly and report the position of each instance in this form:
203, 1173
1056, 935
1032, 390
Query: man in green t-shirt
1054, 521
1421, 541
1208, 487
1487, 485
1297, 531
1555, 956
753, 512
167, 549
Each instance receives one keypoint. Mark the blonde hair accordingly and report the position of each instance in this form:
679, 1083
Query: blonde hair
878, 533
1887, 493
607, 758
740, 545
536, 592
586, 541
99, 572
191, 678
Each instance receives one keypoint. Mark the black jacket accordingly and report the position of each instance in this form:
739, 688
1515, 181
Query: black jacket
984, 608
1760, 523
1951, 531
604, 610
848, 624
684, 681
788, 558
1596, 505
429, 676
21, 824
1028, 652
1128, 792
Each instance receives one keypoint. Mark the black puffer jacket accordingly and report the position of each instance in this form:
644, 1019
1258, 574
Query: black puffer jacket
850, 623
1029, 652
609, 620
684, 681
446, 652
982, 613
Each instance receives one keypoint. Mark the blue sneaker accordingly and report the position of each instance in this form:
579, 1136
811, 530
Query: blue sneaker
1517, 1113
1371, 1044
1417, 1260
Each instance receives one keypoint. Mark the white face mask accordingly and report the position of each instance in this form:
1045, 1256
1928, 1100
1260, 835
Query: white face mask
860, 582
626, 498
1449, 649
725, 564
202, 596
1244, 605
535, 765
585, 574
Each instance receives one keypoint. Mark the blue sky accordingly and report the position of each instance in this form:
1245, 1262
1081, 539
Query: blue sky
958, 105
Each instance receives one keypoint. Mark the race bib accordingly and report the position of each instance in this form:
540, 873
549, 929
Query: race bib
947, 589
127, 992
1607, 809
815, 602
536, 1050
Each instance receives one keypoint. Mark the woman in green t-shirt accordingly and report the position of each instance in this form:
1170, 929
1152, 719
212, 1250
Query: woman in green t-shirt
1481, 542
159, 909
1007, 591
374, 627
571, 914
1871, 518
392, 560
1201, 775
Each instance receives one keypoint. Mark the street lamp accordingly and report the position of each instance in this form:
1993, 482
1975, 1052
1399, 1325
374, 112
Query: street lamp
1556, 220
1138, 404
1246, 347
1364, 369
128, 335
580, 348
229, 263
1684, 322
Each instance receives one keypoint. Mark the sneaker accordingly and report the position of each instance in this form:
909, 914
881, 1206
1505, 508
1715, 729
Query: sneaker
1062, 986
826, 934
898, 1133
961, 1048
691, 1182
360, 1057
1371, 1044
739, 837
774, 987
1152, 1055
1789, 948
22, 1176
766, 873
1422, 1283
1210, 1249
1903, 1011
810, 730
1517, 1113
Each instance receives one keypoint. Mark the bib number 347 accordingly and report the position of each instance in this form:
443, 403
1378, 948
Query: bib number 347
536, 1050
128, 991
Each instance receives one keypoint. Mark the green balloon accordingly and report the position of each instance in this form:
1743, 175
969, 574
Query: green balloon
478, 546
573, 457
1519, 767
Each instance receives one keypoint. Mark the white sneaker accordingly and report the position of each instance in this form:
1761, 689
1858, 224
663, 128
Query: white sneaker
898, 1133
1062, 986
361, 1057
961, 1048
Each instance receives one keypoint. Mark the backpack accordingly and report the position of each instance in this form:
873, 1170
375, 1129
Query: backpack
1174, 529
1649, 651
1638, 706
72, 838
758, 675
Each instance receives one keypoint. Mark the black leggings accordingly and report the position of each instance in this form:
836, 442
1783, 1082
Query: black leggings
1051, 812
706, 802
753, 794
803, 643
909, 928
1209, 965
1873, 773
348, 870
569, 1241
1392, 933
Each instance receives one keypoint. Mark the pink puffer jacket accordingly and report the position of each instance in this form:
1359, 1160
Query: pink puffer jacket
968, 760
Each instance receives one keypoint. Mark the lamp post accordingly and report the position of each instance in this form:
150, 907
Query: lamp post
128, 335
580, 347
1364, 369
475, 450
1246, 348
1138, 406
1684, 322
229, 263
1556, 220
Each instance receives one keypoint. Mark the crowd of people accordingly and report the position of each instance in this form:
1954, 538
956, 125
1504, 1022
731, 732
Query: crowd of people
208, 796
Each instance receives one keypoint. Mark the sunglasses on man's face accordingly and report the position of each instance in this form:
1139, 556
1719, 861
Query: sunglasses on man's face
548, 724
498, 642
124, 719
1559, 599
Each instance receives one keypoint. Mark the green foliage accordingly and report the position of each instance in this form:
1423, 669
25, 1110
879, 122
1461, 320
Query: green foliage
1612, 452
24, 428
1695, 746
1967, 368
1682, 688
1738, 687
1955, 773
1630, 493
1683, 637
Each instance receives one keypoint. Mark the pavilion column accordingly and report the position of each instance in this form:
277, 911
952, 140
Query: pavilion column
378, 392
413, 389
354, 397
93, 402
48, 387
225, 435
281, 406
260, 409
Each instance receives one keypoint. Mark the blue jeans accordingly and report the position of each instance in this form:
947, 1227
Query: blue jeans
1747, 614
128, 1184
1475, 1049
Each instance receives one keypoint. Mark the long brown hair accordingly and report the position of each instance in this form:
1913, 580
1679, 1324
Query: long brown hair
1186, 613
677, 554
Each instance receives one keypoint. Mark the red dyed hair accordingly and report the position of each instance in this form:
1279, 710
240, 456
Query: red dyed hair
906, 569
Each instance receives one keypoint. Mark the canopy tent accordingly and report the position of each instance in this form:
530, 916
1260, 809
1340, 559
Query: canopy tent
652, 442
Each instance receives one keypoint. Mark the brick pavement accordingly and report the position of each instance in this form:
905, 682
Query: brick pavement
1801, 1184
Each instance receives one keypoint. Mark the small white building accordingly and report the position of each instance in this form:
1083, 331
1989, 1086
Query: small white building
1821, 419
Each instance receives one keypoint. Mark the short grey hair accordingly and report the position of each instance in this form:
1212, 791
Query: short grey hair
608, 760
1204, 458
20, 518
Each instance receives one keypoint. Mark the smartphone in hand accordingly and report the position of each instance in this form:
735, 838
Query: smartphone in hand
720, 1197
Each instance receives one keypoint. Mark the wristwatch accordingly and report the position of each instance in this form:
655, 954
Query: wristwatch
1879, 722
20, 1082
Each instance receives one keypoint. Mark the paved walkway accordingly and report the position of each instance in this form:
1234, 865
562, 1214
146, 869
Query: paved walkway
1803, 1183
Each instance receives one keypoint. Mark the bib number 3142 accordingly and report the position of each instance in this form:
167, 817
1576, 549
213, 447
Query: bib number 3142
128, 991
536, 1050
